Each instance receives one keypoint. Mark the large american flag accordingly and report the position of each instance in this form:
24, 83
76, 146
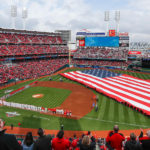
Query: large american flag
123, 88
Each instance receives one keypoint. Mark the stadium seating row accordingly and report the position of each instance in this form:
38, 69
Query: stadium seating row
108, 53
30, 69
12, 50
29, 39
100, 63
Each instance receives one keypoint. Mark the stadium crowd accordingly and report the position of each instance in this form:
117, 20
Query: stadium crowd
29, 39
99, 53
14, 50
113, 141
30, 69
146, 54
100, 62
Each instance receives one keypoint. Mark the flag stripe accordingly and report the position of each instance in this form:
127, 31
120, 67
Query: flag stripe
134, 82
133, 91
108, 92
130, 85
101, 82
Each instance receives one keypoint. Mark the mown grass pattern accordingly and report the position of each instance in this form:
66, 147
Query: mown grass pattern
110, 112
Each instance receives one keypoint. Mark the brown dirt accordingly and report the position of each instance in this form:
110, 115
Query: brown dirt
79, 101
102, 134
37, 95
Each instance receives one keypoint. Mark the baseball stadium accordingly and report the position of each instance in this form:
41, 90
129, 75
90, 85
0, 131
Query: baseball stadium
91, 84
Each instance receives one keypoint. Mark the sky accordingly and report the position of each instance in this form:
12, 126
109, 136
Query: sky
51, 15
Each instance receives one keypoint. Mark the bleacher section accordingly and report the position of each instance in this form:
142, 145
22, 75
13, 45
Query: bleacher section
45, 50
101, 63
13, 50
30, 69
29, 39
101, 53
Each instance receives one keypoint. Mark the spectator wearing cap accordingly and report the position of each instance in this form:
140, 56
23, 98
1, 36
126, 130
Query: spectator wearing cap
59, 143
114, 139
43, 142
132, 144
7, 141
145, 140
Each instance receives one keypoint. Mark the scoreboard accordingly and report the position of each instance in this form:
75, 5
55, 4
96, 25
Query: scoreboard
102, 41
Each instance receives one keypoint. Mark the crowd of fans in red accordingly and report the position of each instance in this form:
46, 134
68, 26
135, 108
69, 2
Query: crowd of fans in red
113, 141
108, 53
29, 39
14, 50
30, 69
101, 63
146, 54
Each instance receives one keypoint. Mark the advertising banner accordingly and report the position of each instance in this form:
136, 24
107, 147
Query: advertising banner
134, 52
123, 34
112, 33
124, 38
81, 42
123, 44
90, 33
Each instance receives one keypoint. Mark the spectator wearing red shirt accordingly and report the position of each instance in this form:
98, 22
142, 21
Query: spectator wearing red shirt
114, 139
145, 140
60, 143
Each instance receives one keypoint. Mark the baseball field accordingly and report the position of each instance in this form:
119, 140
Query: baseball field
68, 95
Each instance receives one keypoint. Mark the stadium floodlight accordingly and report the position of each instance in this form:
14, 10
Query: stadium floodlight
106, 18
117, 19
24, 17
13, 14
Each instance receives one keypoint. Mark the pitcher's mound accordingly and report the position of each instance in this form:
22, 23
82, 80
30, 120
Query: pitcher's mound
37, 95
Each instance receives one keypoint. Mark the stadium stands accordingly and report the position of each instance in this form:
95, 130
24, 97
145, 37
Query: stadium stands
100, 62
13, 50
29, 39
101, 53
30, 69
16, 43
97, 143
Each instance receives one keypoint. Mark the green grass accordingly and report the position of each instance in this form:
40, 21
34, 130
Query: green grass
53, 97
110, 112
146, 69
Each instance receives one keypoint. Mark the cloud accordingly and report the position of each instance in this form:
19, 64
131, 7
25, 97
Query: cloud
49, 15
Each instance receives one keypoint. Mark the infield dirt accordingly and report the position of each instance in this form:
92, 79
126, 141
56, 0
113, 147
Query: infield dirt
79, 102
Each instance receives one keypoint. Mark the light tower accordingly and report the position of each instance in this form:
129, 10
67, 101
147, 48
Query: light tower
13, 15
24, 17
117, 19
106, 18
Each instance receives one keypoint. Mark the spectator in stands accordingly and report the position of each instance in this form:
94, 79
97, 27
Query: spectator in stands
114, 139
93, 143
7, 141
28, 143
60, 143
145, 140
85, 144
43, 142
132, 144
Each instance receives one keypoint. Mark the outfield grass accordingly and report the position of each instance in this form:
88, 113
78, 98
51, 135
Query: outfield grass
110, 112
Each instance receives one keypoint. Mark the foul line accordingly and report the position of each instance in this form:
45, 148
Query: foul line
123, 123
